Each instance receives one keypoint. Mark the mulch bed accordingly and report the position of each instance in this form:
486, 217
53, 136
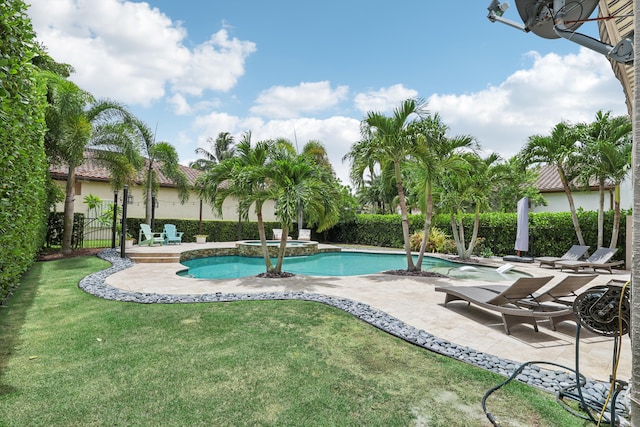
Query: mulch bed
413, 273
51, 254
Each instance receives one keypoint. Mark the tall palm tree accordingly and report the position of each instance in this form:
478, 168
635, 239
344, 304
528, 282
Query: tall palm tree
223, 147
388, 141
557, 149
76, 123
435, 153
160, 157
606, 157
243, 177
298, 181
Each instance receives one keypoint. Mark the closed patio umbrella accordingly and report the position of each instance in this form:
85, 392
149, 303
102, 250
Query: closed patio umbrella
522, 232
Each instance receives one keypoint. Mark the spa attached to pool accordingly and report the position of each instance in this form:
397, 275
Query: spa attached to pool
294, 248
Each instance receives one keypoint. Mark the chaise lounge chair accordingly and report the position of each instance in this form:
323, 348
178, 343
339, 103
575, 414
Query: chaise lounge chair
148, 237
599, 260
507, 303
304, 234
575, 253
172, 235
562, 293
277, 234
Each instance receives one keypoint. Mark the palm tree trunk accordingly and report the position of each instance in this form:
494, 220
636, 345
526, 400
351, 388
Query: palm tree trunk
474, 235
572, 206
635, 242
458, 235
282, 248
67, 220
149, 195
600, 212
427, 227
405, 219
616, 217
263, 237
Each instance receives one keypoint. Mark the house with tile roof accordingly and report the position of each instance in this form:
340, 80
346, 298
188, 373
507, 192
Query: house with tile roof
550, 187
92, 178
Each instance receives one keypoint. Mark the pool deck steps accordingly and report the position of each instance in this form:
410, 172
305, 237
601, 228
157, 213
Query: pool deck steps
154, 257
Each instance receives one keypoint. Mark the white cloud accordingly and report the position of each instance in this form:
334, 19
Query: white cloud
283, 102
532, 101
216, 64
131, 52
336, 133
180, 105
383, 100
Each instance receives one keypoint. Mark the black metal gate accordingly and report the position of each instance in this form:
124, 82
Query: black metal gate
98, 226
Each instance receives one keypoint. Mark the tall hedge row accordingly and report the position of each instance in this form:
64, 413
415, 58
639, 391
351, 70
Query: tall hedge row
550, 234
23, 166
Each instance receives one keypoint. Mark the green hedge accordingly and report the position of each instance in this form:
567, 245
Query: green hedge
550, 234
55, 228
216, 231
23, 166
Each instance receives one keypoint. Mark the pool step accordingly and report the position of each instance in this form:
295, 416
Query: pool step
153, 257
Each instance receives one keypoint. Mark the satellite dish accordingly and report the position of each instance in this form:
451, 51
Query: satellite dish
539, 16
552, 19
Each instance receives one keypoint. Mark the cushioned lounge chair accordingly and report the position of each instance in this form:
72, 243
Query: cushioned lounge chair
507, 302
575, 253
172, 235
148, 237
599, 260
562, 293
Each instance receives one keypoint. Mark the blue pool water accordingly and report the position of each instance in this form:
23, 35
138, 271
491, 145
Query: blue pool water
335, 264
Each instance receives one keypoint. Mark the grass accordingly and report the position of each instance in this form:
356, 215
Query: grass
70, 359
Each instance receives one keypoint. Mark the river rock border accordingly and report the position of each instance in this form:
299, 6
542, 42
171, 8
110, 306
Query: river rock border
548, 380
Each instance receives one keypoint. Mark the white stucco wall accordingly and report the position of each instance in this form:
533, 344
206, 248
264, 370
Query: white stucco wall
587, 200
169, 205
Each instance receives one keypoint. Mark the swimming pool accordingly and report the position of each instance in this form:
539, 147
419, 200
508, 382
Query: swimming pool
336, 264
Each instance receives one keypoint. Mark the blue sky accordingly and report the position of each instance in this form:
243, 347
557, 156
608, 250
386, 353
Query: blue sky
311, 71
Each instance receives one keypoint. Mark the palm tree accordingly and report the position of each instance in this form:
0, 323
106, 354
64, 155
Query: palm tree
242, 177
76, 124
557, 149
299, 182
160, 157
223, 148
465, 192
606, 157
435, 153
388, 141
515, 182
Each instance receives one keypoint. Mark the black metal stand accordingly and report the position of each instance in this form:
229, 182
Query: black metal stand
587, 405
123, 235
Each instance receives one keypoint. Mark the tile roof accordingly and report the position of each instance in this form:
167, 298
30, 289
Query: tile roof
549, 180
92, 171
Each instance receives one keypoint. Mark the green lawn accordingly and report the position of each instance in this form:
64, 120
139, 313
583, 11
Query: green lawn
70, 359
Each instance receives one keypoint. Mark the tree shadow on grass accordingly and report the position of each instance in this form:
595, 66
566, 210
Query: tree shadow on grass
13, 312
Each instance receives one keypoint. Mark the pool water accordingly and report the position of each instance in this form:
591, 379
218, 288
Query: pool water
335, 264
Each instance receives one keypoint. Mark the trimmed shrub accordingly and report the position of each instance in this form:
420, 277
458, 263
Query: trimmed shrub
23, 166
550, 234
